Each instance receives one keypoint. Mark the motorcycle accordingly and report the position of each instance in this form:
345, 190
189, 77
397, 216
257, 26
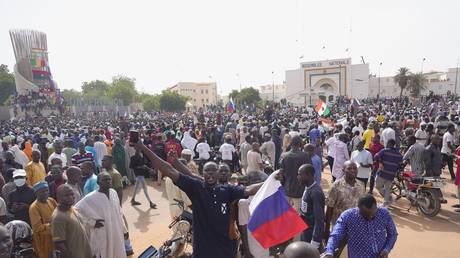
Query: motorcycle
182, 235
163, 252
422, 192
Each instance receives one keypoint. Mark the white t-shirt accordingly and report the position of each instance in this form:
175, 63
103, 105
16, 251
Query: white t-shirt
203, 150
387, 134
448, 137
422, 135
358, 128
254, 159
227, 151
61, 156
364, 157
330, 146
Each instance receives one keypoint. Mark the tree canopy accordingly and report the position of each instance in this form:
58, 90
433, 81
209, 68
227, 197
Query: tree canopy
7, 84
172, 101
246, 96
123, 88
96, 88
402, 79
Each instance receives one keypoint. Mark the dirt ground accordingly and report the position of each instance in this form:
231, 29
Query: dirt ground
418, 236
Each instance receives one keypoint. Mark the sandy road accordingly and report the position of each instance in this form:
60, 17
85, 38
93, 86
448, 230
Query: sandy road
418, 236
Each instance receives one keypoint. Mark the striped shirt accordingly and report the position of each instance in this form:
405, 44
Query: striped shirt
415, 156
78, 158
392, 161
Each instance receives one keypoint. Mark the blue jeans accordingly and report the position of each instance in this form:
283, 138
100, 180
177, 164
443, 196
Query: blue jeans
140, 180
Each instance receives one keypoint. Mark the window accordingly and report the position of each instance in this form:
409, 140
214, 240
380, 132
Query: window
194, 100
202, 92
207, 100
193, 90
202, 100
206, 91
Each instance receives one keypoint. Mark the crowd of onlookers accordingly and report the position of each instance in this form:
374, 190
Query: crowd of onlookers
64, 176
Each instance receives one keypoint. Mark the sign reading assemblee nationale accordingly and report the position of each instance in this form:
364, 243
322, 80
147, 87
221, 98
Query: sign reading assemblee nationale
326, 63
273, 221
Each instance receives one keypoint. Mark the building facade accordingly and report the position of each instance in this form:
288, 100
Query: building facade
440, 83
271, 92
326, 80
200, 94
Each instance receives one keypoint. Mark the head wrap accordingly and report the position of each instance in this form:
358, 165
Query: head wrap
39, 186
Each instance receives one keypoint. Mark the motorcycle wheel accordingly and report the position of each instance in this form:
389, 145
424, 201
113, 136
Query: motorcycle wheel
432, 205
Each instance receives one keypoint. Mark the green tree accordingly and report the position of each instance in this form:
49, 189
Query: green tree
71, 94
96, 88
416, 84
151, 102
7, 84
234, 94
172, 102
123, 88
249, 96
402, 79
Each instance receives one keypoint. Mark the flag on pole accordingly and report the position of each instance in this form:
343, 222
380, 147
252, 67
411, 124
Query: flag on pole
321, 108
231, 106
355, 103
273, 221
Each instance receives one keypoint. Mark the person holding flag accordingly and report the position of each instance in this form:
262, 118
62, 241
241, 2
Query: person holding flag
211, 206
322, 109
231, 106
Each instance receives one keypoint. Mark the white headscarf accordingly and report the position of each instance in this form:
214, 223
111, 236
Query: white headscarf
19, 156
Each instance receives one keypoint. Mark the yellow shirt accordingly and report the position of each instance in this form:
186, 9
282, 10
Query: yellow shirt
40, 219
380, 118
35, 173
367, 137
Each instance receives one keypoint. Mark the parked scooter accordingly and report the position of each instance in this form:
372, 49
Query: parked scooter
422, 192
181, 237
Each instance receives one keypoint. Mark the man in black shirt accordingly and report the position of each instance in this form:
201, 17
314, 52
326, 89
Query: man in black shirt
290, 164
312, 207
211, 206
21, 198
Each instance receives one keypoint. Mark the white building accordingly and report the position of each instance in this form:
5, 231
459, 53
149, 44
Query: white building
200, 94
326, 79
439, 82
273, 92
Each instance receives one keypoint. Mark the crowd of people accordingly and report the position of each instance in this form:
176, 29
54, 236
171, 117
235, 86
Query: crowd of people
64, 177
36, 101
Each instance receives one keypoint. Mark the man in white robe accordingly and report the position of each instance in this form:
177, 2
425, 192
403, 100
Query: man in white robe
102, 215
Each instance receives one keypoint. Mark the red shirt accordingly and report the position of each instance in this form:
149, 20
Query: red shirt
374, 148
172, 145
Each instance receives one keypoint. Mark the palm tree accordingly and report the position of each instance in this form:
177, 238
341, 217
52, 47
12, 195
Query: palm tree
416, 84
402, 79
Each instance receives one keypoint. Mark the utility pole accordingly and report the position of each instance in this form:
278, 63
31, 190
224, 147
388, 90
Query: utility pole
456, 77
273, 86
378, 93
423, 61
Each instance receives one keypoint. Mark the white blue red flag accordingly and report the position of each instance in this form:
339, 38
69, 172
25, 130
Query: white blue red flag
273, 221
231, 106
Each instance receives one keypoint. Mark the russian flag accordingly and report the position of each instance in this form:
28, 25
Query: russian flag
231, 106
273, 221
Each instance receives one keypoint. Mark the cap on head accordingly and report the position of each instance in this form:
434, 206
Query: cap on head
19, 172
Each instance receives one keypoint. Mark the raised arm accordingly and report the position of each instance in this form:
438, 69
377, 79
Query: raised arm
159, 163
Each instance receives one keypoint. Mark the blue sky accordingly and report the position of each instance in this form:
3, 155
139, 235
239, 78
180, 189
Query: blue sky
163, 42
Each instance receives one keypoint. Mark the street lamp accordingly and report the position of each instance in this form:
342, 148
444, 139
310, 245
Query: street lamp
239, 80
378, 93
456, 77
423, 61
273, 86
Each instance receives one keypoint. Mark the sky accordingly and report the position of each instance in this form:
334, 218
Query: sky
247, 42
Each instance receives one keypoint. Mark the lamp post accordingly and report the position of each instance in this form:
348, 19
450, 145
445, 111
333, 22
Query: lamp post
456, 77
423, 61
273, 86
239, 80
378, 93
